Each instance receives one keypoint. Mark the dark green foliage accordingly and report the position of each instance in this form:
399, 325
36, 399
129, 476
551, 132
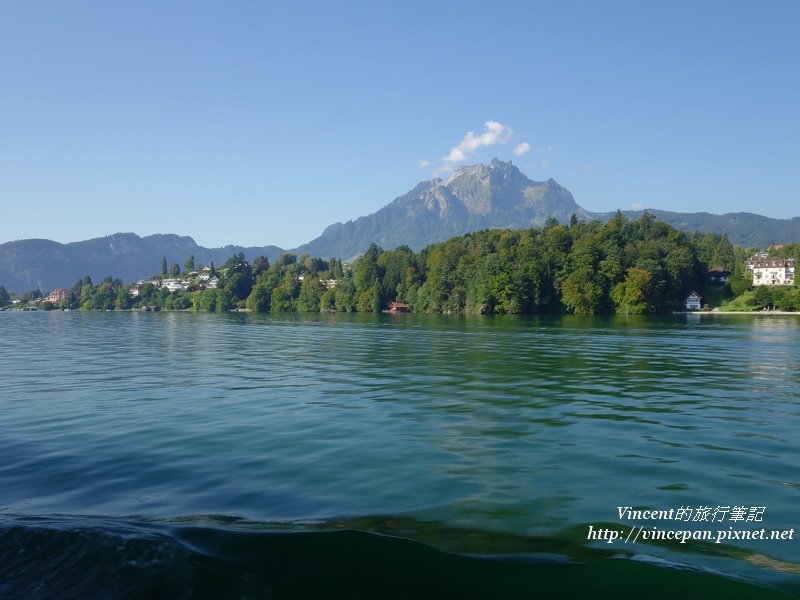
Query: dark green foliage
763, 296
238, 286
5, 298
632, 267
163, 265
189, 263
260, 264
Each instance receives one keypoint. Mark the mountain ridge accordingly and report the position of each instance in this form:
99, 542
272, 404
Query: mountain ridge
44, 264
471, 198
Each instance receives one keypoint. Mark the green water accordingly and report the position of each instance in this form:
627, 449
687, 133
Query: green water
482, 448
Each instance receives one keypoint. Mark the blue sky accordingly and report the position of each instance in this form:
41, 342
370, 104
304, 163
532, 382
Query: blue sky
261, 123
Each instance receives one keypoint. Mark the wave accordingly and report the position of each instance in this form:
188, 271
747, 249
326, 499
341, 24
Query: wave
226, 557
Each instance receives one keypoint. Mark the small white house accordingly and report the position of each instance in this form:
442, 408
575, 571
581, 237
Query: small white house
694, 301
174, 285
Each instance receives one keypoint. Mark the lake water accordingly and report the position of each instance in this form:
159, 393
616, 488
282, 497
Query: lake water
370, 456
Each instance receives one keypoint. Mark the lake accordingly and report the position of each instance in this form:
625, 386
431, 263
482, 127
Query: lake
369, 456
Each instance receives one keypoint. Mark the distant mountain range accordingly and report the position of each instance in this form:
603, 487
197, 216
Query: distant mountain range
497, 195
42, 264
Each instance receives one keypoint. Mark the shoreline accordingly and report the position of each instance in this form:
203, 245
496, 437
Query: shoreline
736, 312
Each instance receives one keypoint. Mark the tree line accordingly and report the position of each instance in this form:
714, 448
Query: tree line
620, 266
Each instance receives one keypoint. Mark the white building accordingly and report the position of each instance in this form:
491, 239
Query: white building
771, 271
174, 285
694, 301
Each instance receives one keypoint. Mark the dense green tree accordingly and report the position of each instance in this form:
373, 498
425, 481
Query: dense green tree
284, 295
550, 223
259, 298
205, 301
741, 280
311, 291
327, 301
633, 295
260, 265
164, 265
238, 286
5, 298
345, 293
285, 259
123, 300
189, 263
174, 270
763, 296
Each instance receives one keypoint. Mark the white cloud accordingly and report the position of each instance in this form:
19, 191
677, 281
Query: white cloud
422, 164
494, 133
637, 206
523, 148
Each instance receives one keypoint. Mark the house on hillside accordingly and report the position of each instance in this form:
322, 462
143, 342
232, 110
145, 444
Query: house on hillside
771, 271
174, 285
58, 295
718, 275
694, 301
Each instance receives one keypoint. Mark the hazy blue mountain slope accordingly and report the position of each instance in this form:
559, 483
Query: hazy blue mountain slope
30, 264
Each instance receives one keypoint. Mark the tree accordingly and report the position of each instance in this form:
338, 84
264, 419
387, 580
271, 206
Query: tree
205, 301
260, 265
581, 293
123, 300
550, 223
311, 291
632, 296
174, 270
259, 298
163, 265
763, 296
236, 264
740, 280
723, 254
189, 264
5, 298
283, 296
238, 286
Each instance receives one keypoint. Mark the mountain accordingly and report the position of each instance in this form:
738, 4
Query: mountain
746, 229
471, 198
499, 195
475, 197
42, 264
